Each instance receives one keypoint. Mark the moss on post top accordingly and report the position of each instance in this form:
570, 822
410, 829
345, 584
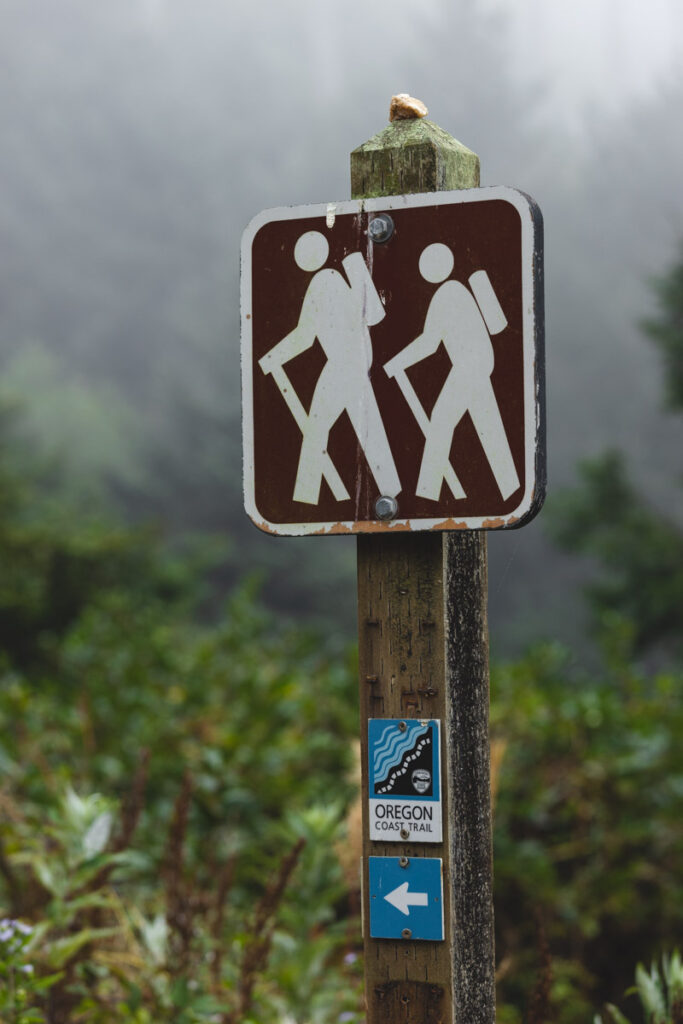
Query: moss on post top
412, 155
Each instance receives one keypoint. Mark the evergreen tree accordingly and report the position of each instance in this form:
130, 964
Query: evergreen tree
640, 552
666, 330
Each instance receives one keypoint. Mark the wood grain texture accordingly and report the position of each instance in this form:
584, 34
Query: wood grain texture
401, 664
423, 653
411, 156
469, 785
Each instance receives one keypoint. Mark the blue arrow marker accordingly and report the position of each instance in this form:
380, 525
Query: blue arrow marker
404, 900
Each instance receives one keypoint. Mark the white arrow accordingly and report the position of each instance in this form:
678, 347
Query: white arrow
402, 899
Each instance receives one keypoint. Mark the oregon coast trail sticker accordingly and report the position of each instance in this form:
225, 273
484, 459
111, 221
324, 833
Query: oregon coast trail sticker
404, 780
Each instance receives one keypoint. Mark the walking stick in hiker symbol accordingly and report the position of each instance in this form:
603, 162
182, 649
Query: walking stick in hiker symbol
338, 312
464, 321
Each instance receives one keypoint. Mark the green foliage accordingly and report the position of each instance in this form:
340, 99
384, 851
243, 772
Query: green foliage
123, 945
640, 552
19, 985
167, 837
602, 832
202, 884
614, 1016
86, 428
163, 923
261, 724
588, 843
165, 821
666, 330
57, 560
660, 992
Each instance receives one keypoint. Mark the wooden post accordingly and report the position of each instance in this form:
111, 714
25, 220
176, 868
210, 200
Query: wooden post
423, 653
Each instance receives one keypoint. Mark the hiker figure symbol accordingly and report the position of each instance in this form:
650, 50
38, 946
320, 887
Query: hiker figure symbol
393, 381
338, 312
464, 321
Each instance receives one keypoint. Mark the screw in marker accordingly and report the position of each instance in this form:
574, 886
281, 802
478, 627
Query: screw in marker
385, 507
381, 228
403, 862
402, 726
406, 933
405, 833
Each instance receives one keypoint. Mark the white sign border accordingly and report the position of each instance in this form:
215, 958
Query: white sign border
533, 411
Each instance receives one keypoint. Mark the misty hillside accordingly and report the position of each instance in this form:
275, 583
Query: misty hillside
139, 138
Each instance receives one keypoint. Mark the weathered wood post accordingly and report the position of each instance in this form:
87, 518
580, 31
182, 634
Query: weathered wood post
423, 653
416, 437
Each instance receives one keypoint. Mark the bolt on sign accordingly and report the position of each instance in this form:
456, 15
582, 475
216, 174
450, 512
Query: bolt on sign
392, 364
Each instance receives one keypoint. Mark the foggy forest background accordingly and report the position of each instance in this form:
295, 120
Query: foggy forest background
140, 138
177, 691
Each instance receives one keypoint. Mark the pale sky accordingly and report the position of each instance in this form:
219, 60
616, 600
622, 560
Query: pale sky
594, 53
585, 56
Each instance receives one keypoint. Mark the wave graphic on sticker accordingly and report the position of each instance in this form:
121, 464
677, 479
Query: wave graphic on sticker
391, 734
391, 739
384, 753
389, 754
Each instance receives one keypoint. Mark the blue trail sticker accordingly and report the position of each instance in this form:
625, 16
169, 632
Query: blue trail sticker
404, 780
406, 898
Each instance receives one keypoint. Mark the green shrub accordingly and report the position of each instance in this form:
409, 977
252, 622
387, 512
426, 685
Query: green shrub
205, 886
660, 992
588, 843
